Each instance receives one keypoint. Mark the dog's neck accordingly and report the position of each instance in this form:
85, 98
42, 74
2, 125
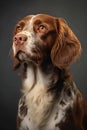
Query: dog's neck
47, 75
37, 88
39, 76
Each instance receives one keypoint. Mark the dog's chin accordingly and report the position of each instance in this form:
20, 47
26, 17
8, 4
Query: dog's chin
29, 58
22, 57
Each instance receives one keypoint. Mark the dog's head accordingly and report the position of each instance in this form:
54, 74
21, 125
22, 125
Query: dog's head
39, 36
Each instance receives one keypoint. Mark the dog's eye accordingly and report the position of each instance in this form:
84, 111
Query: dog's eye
42, 28
19, 28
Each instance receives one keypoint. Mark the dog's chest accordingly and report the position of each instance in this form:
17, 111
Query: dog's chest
39, 112
47, 121
37, 100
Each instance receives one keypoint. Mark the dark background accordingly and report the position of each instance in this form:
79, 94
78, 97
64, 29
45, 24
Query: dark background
11, 11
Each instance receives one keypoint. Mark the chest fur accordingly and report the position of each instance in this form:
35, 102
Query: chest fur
37, 97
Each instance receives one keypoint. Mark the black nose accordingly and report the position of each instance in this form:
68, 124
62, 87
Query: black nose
19, 39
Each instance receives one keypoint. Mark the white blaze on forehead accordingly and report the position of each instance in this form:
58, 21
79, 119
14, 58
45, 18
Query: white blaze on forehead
31, 21
29, 24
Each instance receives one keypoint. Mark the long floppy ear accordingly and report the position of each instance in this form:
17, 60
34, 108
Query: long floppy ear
67, 47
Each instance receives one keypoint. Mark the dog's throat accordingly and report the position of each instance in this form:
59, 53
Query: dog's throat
30, 79
37, 97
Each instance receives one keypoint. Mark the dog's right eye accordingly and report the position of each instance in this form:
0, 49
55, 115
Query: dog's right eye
18, 28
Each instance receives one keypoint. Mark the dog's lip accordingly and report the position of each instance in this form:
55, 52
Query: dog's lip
20, 52
34, 57
21, 56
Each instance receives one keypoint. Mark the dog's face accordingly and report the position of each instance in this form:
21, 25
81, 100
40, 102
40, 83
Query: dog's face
33, 36
38, 36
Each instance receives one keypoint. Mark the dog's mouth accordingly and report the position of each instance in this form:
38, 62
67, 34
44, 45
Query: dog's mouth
21, 56
35, 58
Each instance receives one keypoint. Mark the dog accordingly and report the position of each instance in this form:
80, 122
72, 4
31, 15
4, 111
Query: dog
45, 47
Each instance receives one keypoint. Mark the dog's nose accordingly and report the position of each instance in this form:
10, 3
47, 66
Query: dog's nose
19, 39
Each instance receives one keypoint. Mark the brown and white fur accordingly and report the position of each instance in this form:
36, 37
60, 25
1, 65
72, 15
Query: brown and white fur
46, 47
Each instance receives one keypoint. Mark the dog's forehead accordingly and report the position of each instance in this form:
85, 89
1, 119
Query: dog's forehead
42, 17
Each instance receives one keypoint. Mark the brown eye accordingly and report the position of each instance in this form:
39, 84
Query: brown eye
19, 28
42, 28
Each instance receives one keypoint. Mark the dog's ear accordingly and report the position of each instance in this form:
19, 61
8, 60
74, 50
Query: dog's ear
67, 47
16, 63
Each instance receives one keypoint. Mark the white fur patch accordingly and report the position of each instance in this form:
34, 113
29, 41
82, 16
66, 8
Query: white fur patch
38, 100
14, 50
29, 82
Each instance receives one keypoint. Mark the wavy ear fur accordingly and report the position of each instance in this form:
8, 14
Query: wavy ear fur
67, 47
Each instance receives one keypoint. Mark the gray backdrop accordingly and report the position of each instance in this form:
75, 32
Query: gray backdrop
11, 11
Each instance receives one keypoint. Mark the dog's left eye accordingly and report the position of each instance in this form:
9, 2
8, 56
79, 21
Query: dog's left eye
42, 28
